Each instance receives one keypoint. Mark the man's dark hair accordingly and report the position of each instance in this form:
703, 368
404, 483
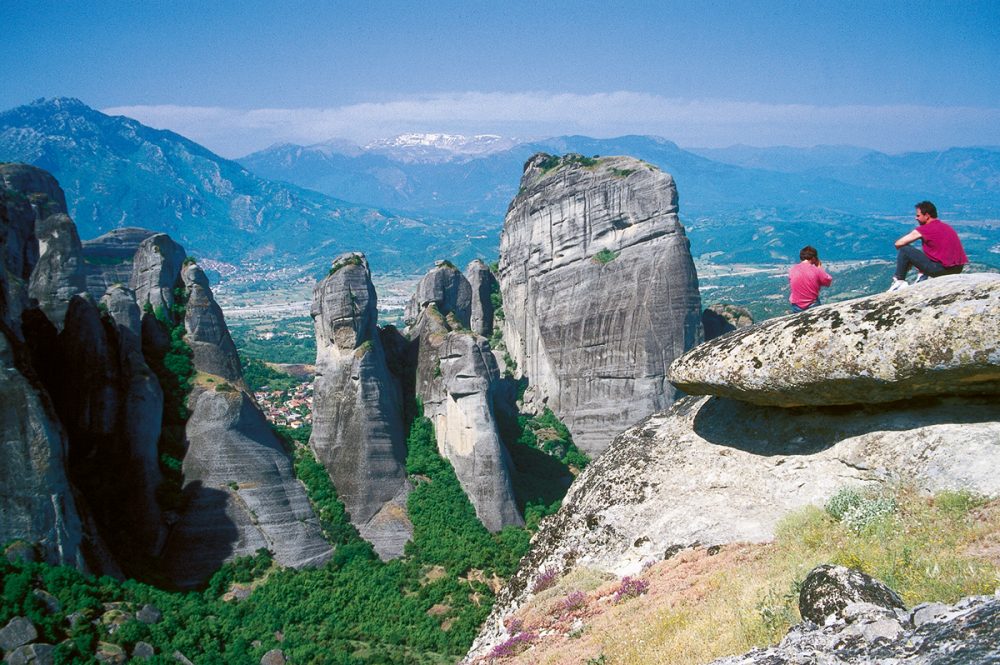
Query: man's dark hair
808, 253
927, 208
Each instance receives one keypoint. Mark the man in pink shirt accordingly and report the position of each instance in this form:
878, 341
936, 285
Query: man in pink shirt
806, 279
941, 253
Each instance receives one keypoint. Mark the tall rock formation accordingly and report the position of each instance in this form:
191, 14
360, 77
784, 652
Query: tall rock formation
456, 378
58, 275
138, 427
107, 260
599, 290
358, 432
37, 502
156, 270
240, 491
207, 333
483, 283
27, 195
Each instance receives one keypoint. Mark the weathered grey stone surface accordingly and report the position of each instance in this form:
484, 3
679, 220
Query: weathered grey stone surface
58, 274
143, 650
595, 338
358, 432
447, 289
37, 185
17, 632
27, 195
149, 614
828, 590
719, 319
965, 633
483, 282
456, 378
273, 657
207, 333
713, 470
32, 654
241, 491
107, 260
156, 271
941, 337
36, 501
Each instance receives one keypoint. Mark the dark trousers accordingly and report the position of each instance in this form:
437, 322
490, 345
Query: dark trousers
912, 256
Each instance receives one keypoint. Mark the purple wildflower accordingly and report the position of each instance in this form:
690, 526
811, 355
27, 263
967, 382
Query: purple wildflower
630, 587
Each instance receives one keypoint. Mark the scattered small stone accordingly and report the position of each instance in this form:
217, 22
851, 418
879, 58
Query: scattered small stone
143, 650
31, 654
110, 653
273, 657
17, 632
52, 604
149, 614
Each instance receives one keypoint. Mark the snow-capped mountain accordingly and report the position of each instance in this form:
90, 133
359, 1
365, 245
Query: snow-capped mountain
438, 147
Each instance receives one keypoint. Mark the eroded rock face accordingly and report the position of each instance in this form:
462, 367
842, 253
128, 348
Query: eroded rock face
138, 428
207, 333
941, 337
107, 260
599, 290
156, 271
713, 471
358, 432
456, 378
447, 289
241, 493
483, 282
58, 275
27, 195
36, 500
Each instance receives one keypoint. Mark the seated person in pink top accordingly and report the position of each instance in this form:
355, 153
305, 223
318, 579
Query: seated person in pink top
941, 254
806, 278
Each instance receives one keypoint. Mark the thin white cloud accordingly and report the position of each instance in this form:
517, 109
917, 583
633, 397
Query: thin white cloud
705, 123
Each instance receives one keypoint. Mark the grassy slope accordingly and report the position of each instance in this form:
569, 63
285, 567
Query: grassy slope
704, 604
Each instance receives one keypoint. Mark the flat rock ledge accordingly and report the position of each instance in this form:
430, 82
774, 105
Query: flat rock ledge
939, 337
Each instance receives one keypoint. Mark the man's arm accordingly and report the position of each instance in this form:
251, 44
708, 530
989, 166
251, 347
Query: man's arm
908, 238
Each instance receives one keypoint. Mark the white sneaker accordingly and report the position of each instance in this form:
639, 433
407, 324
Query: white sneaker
922, 277
898, 284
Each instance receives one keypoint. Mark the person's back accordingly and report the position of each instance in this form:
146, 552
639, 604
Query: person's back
805, 279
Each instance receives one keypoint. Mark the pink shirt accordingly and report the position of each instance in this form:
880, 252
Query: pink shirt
806, 280
941, 243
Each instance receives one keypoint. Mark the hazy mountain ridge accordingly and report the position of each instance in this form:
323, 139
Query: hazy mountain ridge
118, 172
848, 178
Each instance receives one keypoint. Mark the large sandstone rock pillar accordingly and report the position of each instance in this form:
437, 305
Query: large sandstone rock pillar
599, 290
358, 432
456, 378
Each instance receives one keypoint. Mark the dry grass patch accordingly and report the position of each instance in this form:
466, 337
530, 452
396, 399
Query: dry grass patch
702, 606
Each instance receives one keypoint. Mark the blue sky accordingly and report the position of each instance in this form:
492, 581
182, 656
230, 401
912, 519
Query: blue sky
238, 76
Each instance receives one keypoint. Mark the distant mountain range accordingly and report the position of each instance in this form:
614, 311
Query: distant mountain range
118, 172
420, 197
835, 178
